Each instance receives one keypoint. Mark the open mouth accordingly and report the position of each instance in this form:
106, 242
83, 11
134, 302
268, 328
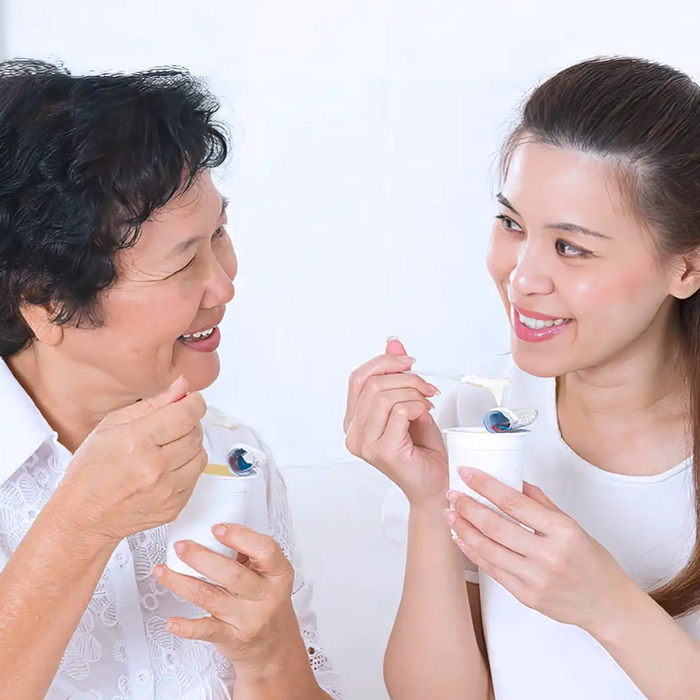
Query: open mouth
535, 330
536, 324
196, 337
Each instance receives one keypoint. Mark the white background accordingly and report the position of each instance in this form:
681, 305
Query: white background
361, 190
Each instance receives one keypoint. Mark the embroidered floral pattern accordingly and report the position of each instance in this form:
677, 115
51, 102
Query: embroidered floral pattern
100, 660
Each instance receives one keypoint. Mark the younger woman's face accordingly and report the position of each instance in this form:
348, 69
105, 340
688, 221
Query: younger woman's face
579, 277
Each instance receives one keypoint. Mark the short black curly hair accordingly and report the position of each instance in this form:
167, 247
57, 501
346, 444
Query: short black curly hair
84, 162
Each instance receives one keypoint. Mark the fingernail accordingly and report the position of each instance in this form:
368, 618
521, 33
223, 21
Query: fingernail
158, 571
219, 530
451, 516
407, 360
173, 627
452, 496
466, 473
392, 337
180, 547
435, 390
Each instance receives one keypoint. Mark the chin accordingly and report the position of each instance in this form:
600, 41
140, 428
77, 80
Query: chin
203, 374
537, 360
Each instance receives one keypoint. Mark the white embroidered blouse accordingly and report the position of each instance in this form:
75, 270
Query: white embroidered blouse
121, 649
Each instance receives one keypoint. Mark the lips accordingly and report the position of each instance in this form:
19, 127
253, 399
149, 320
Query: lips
534, 327
199, 331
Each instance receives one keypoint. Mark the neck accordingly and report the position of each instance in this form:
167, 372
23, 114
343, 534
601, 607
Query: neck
645, 380
72, 399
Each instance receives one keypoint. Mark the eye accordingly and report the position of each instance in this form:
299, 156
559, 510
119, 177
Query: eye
566, 250
220, 232
509, 224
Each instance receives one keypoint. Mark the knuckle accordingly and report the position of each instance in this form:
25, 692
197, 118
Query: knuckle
205, 597
489, 524
401, 410
356, 380
354, 445
510, 504
269, 549
556, 561
150, 475
371, 453
373, 384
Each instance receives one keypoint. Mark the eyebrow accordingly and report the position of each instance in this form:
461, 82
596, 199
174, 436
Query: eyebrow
560, 225
185, 245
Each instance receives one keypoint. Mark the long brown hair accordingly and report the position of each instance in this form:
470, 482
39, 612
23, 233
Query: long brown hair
644, 118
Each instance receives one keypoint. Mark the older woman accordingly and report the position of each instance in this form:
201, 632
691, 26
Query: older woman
115, 271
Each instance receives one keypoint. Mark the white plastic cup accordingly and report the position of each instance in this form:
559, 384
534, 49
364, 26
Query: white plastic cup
217, 498
499, 454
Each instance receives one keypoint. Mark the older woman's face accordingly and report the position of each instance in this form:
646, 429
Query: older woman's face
173, 287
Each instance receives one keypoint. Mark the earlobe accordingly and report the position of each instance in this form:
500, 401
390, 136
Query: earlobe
44, 329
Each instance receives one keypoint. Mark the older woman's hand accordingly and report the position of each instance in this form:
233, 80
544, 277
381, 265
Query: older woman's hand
138, 468
252, 621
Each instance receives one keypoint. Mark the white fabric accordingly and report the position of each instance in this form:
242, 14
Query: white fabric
646, 522
121, 649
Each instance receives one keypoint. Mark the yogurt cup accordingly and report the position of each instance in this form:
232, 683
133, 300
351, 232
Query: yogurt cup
218, 497
502, 455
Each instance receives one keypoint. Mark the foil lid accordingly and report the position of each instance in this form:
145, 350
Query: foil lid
507, 420
241, 461
245, 460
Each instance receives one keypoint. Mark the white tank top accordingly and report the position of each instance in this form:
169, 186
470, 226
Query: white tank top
646, 522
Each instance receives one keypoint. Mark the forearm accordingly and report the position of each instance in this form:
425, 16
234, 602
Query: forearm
44, 590
433, 651
288, 678
653, 649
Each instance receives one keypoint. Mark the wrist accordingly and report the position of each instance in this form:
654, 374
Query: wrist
282, 655
283, 674
429, 504
616, 623
67, 513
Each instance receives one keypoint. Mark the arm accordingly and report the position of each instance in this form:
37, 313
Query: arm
558, 569
652, 648
433, 650
46, 586
155, 456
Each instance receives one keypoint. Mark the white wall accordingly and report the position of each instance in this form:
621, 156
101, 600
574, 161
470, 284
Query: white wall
361, 191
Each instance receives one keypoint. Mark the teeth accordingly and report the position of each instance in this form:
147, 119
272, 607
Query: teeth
536, 323
197, 336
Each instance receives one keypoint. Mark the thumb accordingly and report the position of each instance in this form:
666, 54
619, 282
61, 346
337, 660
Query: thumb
176, 391
395, 347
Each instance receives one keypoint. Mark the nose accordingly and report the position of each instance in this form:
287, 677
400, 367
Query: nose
530, 276
220, 289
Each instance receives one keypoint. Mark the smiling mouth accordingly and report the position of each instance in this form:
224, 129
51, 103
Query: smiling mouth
195, 337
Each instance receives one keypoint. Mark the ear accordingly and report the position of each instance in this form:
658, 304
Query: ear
42, 326
686, 277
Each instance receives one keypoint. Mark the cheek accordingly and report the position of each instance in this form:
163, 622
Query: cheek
147, 322
614, 296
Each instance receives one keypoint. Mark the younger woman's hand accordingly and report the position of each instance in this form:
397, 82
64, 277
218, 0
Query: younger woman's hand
558, 570
388, 424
